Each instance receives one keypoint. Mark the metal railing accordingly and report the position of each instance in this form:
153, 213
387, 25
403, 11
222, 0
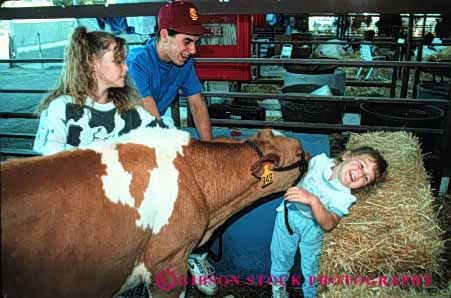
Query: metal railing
342, 101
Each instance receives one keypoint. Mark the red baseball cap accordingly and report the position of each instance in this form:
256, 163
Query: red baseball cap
182, 17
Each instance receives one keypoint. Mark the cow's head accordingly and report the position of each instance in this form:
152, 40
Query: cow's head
282, 155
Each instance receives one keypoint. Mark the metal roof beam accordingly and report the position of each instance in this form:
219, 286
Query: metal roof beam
233, 6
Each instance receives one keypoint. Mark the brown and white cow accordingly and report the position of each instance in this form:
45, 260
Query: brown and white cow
93, 222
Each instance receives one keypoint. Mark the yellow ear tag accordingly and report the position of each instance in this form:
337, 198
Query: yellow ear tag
266, 178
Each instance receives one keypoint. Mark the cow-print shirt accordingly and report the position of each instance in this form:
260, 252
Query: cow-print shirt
65, 125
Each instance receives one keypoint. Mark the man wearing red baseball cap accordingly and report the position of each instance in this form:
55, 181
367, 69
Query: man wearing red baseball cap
181, 16
163, 66
160, 70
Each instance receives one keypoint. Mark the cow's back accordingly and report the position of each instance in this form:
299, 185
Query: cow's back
57, 221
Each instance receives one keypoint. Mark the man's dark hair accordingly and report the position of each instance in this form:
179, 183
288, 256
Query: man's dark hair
171, 32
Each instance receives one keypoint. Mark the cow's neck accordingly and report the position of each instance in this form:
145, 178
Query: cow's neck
223, 173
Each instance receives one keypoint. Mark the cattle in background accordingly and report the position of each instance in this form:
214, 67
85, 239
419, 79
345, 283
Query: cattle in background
96, 221
335, 51
431, 48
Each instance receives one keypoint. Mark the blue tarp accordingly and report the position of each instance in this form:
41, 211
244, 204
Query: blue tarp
247, 236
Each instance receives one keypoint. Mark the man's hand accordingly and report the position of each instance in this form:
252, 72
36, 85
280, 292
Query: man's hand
157, 122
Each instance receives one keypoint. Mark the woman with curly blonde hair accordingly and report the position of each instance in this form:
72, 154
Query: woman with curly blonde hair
93, 99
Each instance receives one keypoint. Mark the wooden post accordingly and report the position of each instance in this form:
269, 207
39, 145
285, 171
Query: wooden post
12, 51
406, 70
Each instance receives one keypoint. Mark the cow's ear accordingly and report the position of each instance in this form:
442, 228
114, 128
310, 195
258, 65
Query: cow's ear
271, 158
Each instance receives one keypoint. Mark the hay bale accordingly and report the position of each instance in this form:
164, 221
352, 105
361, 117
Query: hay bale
384, 292
367, 91
443, 55
261, 88
393, 229
268, 103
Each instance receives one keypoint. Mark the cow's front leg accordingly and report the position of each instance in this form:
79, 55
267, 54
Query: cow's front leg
176, 292
170, 278
169, 283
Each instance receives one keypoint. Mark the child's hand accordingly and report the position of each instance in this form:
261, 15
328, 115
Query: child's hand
299, 195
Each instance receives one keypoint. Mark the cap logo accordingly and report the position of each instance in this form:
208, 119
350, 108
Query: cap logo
193, 14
